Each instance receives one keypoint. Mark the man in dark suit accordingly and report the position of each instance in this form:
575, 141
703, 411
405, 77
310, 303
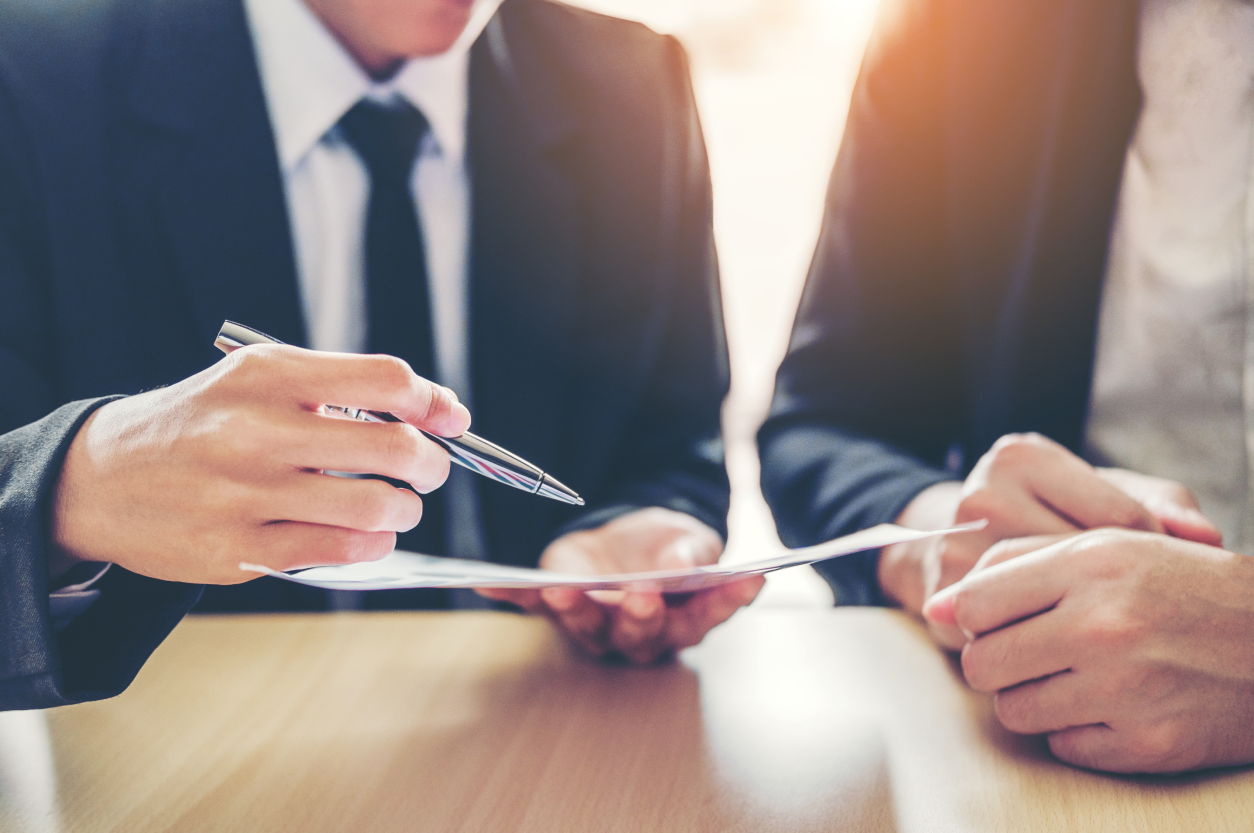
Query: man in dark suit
947, 363
145, 197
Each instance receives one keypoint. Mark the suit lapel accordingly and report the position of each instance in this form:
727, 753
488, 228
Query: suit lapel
213, 168
525, 260
1038, 129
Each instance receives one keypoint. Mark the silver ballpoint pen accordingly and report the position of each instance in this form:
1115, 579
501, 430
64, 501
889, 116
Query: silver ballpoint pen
474, 453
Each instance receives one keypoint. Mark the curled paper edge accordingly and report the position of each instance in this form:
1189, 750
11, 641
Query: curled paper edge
407, 570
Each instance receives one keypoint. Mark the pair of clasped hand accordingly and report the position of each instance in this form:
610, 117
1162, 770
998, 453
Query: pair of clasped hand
184, 482
1097, 606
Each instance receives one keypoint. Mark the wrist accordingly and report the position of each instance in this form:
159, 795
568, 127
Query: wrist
900, 575
62, 552
902, 569
60, 562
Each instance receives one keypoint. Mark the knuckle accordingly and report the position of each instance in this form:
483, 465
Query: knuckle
239, 433
439, 403
947, 637
258, 362
981, 502
1015, 711
1066, 747
1129, 515
225, 497
373, 511
1100, 553
402, 444
966, 612
1180, 495
955, 560
436, 464
338, 546
957, 556
410, 511
366, 546
975, 666
1156, 746
1108, 689
1017, 448
391, 372
246, 362
1114, 629
997, 552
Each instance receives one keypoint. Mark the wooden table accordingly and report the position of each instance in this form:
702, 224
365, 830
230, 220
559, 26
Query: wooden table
783, 720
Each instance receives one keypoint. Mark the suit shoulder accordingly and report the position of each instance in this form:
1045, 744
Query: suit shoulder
60, 53
605, 53
48, 31
602, 29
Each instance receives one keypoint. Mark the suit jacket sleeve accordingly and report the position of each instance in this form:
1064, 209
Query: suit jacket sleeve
672, 454
867, 399
100, 652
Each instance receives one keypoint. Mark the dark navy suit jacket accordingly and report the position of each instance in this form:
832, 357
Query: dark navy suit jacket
954, 294
141, 203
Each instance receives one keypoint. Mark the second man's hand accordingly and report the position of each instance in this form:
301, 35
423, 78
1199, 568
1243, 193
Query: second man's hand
643, 627
1128, 650
1026, 485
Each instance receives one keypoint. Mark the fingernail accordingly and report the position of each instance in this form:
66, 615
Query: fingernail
642, 607
939, 610
557, 598
679, 554
460, 413
1198, 518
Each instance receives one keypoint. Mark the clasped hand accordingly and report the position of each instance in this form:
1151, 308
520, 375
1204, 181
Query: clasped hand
1097, 608
1027, 485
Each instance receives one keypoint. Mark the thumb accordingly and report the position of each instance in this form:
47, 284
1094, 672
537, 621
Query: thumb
939, 610
679, 554
1189, 524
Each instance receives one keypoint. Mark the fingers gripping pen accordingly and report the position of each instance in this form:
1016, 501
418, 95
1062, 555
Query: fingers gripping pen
468, 450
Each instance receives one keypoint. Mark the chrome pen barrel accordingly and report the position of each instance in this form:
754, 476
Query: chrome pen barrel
490, 460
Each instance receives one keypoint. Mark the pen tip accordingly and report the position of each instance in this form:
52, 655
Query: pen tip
551, 487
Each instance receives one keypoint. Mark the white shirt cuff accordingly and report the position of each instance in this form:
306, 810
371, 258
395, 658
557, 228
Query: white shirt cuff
69, 602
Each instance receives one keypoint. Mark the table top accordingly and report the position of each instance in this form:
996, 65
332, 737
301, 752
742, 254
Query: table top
782, 720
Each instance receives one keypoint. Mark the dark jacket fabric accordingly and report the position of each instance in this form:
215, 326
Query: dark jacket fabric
953, 297
141, 203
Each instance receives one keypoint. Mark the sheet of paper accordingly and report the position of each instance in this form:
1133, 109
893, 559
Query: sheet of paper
401, 570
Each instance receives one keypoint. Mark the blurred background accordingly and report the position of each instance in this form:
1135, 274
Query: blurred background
773, 80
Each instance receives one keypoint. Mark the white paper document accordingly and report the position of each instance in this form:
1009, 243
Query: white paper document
401, 570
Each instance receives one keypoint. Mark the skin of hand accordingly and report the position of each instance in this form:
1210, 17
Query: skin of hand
185, 482
643, 627
1130, 651
1026, 485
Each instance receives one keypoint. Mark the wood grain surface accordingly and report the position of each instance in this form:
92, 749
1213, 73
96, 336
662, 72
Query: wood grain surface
783, 720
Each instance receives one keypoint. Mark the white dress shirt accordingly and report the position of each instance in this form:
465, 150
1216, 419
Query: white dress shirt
310, 81
1173, 389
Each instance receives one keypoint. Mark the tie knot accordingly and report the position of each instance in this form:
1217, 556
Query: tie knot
385, 136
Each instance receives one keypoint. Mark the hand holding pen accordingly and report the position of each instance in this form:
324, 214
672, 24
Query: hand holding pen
466, 449
186, 481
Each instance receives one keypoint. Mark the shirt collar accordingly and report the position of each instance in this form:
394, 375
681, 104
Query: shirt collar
310, 80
